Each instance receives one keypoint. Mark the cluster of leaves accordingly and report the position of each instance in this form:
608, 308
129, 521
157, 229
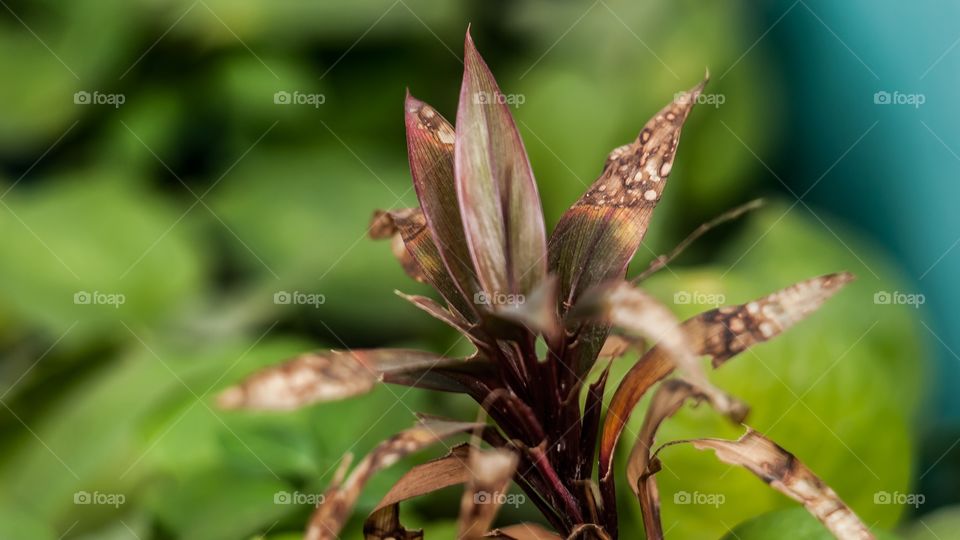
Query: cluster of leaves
540, 314
200, 299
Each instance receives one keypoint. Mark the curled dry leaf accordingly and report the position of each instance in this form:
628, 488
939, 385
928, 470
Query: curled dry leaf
446, 471
334, 375
615, 346
720, 333
665, 403
451, 469
632, 310
785, 473
338, 501
384, 524
490, 475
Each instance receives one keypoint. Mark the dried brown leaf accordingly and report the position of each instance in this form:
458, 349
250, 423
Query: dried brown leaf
384, 524
490, 475
785, 473
333, 375
449, 470
720, 333
666, 402
338, 501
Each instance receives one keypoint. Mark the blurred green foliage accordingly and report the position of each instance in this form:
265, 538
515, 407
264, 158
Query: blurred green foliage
199, 198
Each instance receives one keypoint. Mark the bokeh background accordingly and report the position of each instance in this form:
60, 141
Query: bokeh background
157, 194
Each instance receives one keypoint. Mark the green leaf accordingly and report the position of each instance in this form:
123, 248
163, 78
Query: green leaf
89, 251
940, 524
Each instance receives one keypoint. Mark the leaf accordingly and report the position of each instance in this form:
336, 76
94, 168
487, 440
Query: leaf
333, 375
490, 475
785, 473
449, 470
666, 402
720, 333
430, 149
435, 310
536, 312
614, 347
338, 501
421, 261
596, 238
384, 524
496, 190
639, 314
